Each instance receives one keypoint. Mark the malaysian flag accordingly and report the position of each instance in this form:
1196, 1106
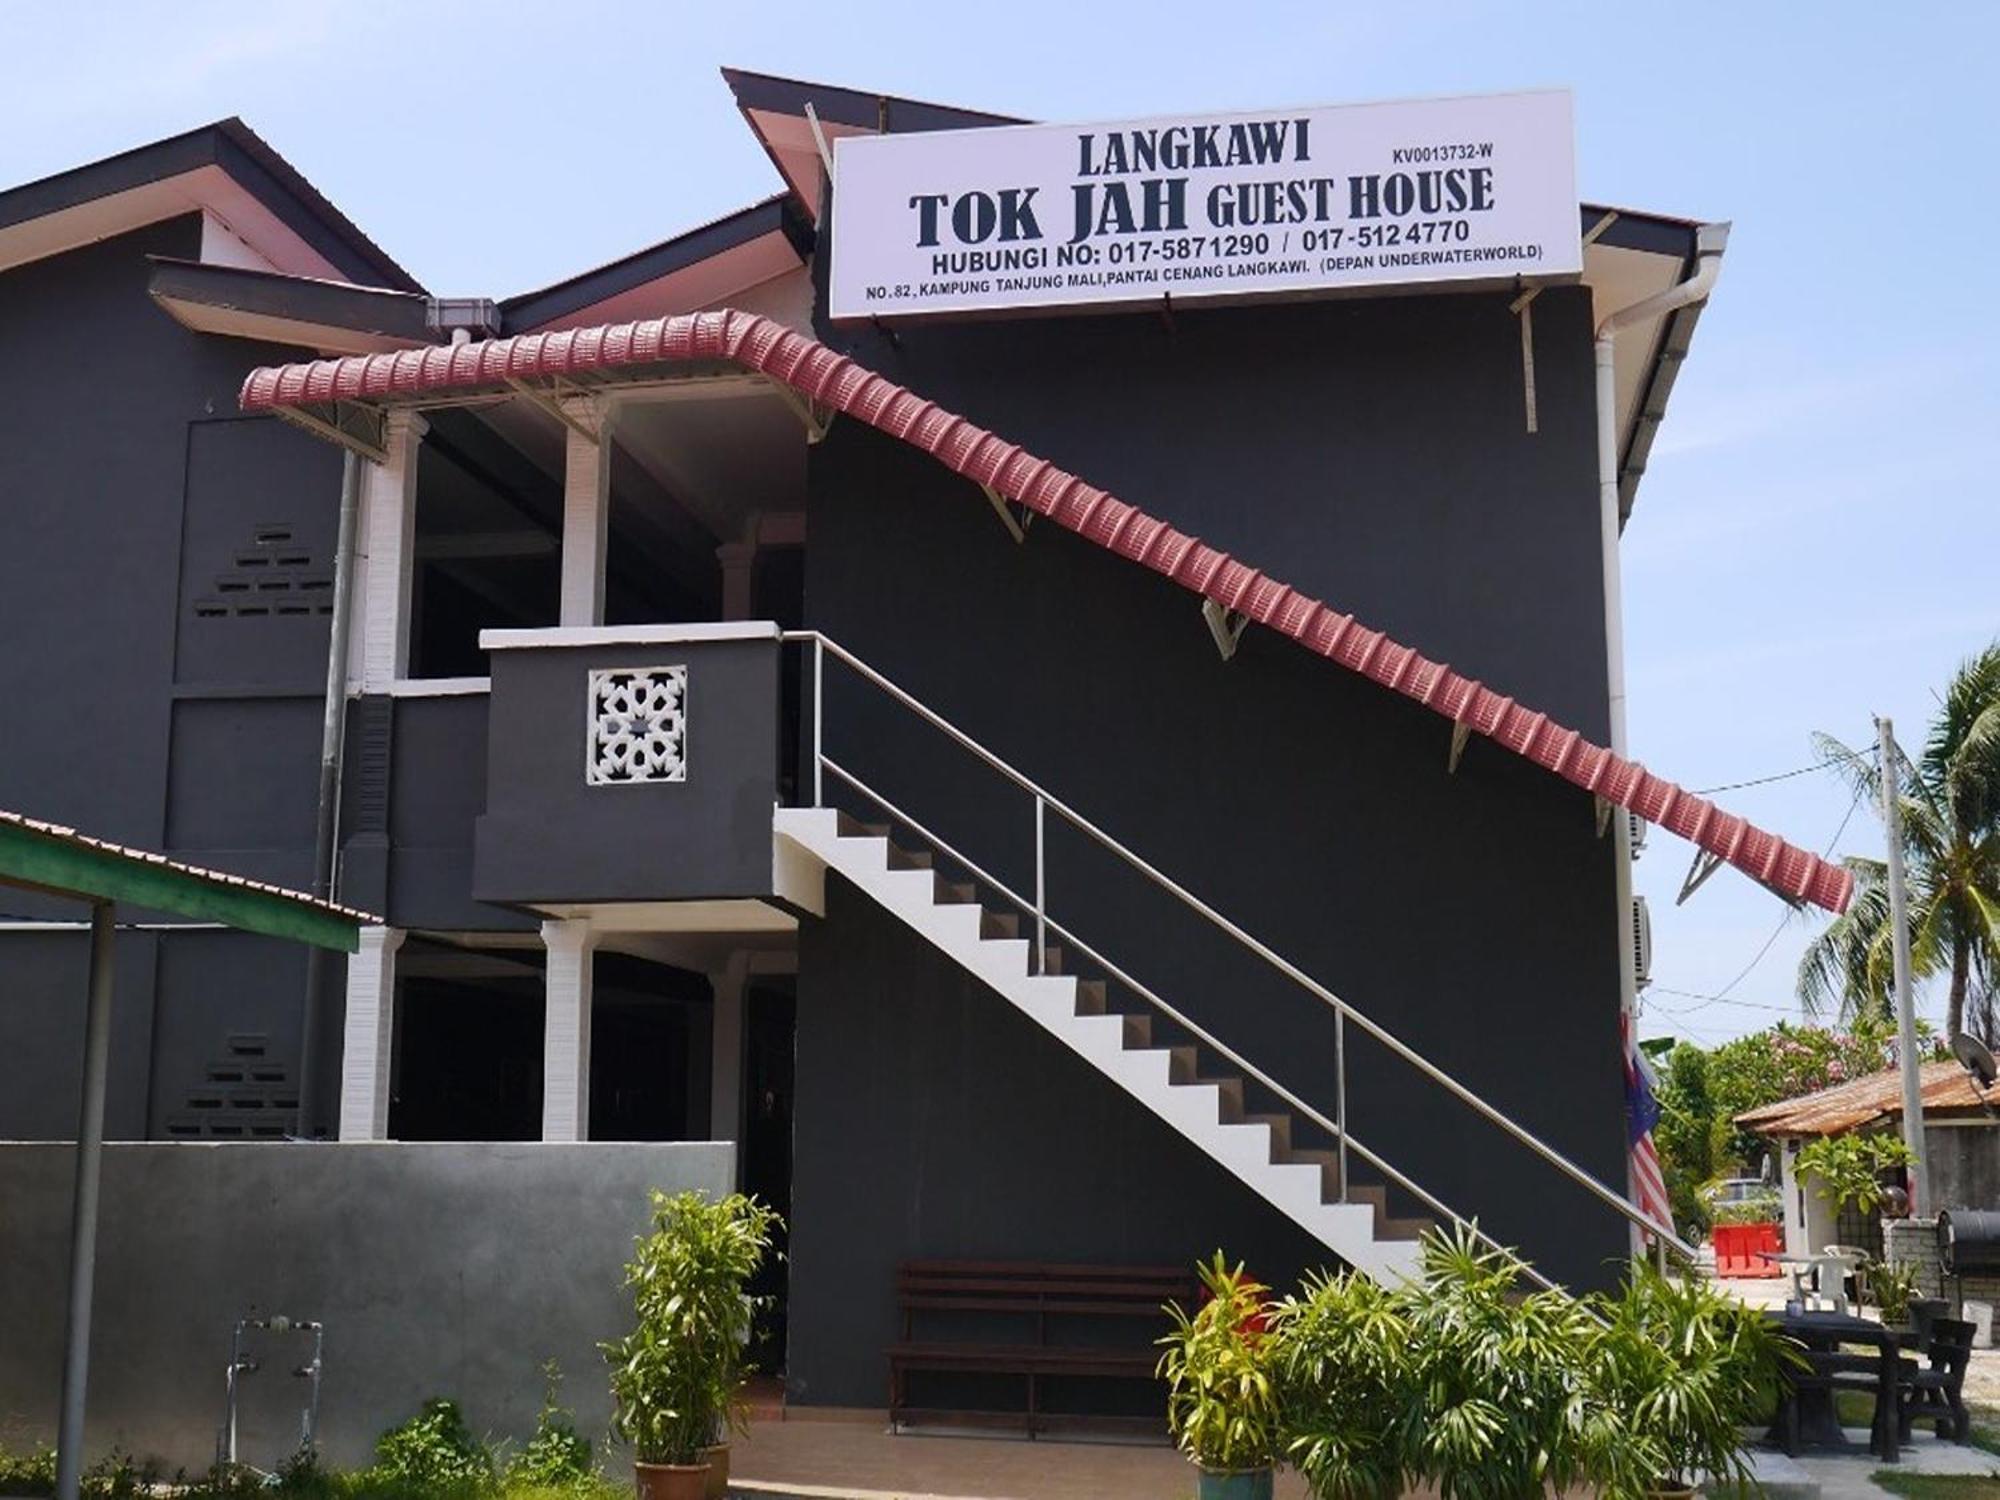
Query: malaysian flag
1642, 1113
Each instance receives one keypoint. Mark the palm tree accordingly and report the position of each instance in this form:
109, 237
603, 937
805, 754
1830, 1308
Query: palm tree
1951, 852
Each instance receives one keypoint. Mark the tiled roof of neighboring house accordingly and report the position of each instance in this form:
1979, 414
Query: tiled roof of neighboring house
57, 833
838, 383
1948, 1092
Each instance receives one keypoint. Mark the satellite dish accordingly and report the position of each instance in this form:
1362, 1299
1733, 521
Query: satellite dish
1978, 1061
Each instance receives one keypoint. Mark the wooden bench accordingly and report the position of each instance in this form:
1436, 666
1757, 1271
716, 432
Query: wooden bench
1033, 1320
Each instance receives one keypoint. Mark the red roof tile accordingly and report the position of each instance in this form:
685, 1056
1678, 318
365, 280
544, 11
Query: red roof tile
837, 382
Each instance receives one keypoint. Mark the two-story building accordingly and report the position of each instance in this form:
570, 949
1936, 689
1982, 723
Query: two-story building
999, 769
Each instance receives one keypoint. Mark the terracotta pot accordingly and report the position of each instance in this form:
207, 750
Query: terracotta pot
1234, 1484
716, 1456
671, 1481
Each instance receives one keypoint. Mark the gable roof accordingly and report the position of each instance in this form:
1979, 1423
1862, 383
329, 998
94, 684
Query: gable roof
226, 169
1877, 1099
580, 357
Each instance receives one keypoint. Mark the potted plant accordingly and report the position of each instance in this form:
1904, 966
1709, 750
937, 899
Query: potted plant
1503, 1407
1892, 1287
1687, 1368
677, 1377
1345, 1385
1222, 1394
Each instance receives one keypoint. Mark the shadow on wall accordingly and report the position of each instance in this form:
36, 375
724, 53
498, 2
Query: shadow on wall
450, 1269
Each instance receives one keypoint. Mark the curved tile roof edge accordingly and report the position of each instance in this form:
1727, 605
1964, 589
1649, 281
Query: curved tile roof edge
837, 382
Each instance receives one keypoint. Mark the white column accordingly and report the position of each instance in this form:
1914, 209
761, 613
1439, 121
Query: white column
725, 1082
388, 535
367, 1035
586, 515
566, 1029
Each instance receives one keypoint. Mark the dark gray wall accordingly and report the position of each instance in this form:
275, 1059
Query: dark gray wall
934, 1119
548, 836
519, 1261
1372, 452
163, 689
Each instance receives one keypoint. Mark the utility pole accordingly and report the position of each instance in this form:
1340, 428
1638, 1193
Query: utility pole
1899, 931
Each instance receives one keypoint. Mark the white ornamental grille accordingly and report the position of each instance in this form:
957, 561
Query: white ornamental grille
638, 726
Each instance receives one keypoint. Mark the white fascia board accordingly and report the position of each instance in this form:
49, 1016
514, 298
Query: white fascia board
628, 635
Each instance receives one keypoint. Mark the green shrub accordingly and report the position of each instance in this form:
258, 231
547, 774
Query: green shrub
1347, 1385
1850, 1167
557, 1456
677, 1377
434, 1451
30, 1473
1220, 1365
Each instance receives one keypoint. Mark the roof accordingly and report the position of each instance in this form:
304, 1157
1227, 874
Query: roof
49, 857
836, 382
1877, 1099
226, 167
776, 215
331, 316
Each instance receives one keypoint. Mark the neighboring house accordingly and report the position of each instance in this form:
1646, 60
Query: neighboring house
1960, 1140
580, 777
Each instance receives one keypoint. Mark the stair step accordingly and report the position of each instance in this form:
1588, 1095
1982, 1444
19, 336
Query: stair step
852, 827
953, 892
908, 859
1052, 959
1091, 997
1281, 1133
1138, 1032
999, 924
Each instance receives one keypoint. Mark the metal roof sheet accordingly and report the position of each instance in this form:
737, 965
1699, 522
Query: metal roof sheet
838, 383
1947, 1089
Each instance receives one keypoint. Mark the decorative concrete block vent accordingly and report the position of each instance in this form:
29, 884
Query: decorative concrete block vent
638, 726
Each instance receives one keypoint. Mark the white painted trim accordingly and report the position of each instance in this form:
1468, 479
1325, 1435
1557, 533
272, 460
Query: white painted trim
367, 1035
439, 687
388, 536
586, 517
570, 974
628, 635
1194, 1109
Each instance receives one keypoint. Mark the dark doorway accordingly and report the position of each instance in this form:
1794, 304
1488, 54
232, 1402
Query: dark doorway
649, 1051
468, 1060
770, 1025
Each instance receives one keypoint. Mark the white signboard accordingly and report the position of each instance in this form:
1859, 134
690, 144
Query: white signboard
1284, 201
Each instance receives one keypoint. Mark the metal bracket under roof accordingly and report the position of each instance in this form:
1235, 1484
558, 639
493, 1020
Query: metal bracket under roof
1017, 525
1705, 864
1604, 811
1226, 625
1460, 733
361, 429
564, 404
816, 419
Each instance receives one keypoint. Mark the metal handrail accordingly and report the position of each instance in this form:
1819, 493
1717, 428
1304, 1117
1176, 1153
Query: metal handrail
1049, 801
1152, 997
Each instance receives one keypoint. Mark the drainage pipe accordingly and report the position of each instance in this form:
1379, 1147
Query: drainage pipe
333, 731
83, 1204
1710, 241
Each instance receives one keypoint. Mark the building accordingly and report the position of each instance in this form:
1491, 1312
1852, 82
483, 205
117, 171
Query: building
667, 586
1961, 1147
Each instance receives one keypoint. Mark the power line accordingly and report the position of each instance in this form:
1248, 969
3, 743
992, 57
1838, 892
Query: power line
1737, 786
1721, 996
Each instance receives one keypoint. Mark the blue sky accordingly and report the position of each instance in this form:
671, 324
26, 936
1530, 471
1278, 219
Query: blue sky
1816, 540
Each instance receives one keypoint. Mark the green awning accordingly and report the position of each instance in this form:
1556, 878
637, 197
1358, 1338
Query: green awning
62, 862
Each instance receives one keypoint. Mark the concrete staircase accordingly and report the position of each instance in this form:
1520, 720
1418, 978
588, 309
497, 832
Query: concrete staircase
1221, 1112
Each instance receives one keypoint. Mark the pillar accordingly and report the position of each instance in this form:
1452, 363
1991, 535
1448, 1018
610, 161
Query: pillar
388, 537
586, 515
571, 949
367, 1035
725, 1089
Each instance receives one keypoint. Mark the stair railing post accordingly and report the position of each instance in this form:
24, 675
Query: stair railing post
1041, 963
1340, 1090
819, 745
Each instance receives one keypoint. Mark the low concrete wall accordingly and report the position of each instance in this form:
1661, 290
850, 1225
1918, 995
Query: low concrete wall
439, 1269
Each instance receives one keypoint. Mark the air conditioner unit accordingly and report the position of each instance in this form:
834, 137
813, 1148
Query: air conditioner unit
1639, 826
1642, 943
